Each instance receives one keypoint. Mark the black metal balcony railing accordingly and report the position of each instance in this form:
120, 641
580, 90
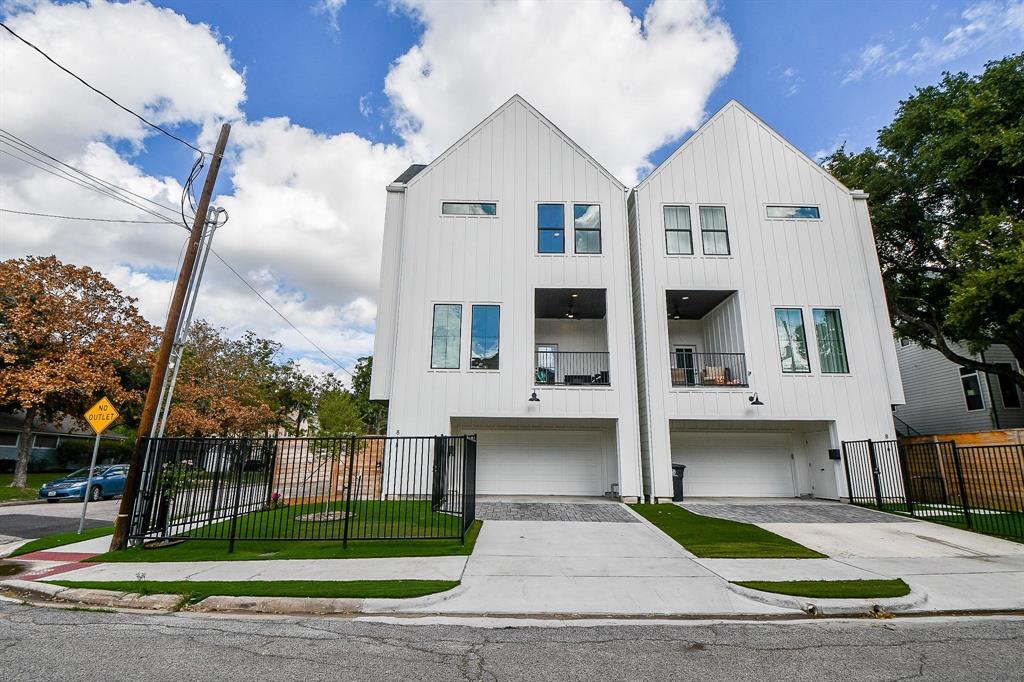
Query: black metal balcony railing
708, 369
572, 368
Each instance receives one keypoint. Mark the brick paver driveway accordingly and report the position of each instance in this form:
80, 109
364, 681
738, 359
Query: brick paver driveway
553, 511
792, 512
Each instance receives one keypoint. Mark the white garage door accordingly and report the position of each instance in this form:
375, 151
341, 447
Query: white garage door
735, 464
512, 462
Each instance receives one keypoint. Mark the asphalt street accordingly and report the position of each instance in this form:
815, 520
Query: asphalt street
44, 643
37, 520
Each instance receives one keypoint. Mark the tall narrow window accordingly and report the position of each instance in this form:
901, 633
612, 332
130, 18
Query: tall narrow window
587, 226
678, 231
551, 228
483, 353
447, 336
714, 231
971, 383
828, 327
1007, 389
789, 324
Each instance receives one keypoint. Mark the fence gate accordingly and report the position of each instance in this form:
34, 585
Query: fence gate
978, 487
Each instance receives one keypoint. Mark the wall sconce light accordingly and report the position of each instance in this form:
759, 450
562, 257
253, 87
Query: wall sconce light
534, 398
755, 401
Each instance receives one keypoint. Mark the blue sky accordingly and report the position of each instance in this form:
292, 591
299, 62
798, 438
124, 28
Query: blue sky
332, 99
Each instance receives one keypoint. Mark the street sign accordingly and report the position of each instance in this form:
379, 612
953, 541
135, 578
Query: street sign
101, 415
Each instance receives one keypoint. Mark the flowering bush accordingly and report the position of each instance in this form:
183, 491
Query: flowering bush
175, 479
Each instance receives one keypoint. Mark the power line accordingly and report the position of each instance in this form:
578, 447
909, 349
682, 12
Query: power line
280, 314
100, 92
72, 217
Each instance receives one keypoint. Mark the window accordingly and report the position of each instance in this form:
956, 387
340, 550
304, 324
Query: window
446, 337
972, 389
481, 208
45, 442
1007, 389
483, 347
789, 324
714, 231
828, 327
551, 228
684, 361
678, 231
8, 439
794, 212
587, 226
547, 363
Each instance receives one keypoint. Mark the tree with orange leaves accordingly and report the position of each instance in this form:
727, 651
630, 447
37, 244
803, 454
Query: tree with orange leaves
67, 337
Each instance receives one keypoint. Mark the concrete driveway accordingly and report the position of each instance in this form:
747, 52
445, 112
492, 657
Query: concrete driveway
582, 557
958, 569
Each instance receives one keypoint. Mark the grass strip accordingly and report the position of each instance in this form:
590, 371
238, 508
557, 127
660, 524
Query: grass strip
197, 590
832, 589
29, 492
61, 539
255, 550
708, 537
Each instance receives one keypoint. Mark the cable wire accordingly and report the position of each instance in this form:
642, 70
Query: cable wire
72, 217
100, 92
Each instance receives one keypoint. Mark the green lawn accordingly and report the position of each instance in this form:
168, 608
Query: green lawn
248, 550
30, 492
198, 590
832, 589
52, 541
709, 537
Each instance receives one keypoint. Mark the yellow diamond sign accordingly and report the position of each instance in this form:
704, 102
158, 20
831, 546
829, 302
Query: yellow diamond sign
101, 415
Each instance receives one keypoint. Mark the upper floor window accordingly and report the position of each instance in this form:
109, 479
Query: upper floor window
828, 327
8, 439
1007, 389
789, 325
551, 228
446, 336
714, 231
483, 353
971, 383
45, 442
587, 227
477, 208
678, 231
794, 212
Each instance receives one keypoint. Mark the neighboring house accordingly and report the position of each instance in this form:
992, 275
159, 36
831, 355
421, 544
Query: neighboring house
755, 273
944, 397
505, 273
46, 437
590, 349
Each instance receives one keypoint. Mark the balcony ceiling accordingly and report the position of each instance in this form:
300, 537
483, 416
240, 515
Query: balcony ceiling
588, 304
693, 304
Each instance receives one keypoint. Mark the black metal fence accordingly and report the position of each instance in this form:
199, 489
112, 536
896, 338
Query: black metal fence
351, 488
572, 368
708, 369
976, 487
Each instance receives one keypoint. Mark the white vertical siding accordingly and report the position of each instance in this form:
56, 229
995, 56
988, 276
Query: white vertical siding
387, 313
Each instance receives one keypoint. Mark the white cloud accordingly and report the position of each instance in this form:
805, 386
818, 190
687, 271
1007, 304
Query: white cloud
618, 87
330, 8
980, 25
791, 81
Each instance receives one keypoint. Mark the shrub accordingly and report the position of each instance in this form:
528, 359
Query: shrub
76, 453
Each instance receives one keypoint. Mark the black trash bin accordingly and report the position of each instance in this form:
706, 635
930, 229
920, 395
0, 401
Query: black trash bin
677, 482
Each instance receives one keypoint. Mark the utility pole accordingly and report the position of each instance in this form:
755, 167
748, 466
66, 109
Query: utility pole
156, 380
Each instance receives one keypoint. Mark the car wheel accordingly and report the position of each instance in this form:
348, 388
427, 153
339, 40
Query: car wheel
95, 495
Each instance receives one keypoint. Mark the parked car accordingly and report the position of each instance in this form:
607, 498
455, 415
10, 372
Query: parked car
107, 481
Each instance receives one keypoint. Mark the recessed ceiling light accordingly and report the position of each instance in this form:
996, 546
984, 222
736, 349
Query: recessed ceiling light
686, 298
575, 295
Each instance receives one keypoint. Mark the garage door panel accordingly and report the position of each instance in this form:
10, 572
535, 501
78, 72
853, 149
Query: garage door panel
735, 464
513, 462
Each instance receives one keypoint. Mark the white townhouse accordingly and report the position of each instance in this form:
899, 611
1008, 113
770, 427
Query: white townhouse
726, 314
506, 311
762, 327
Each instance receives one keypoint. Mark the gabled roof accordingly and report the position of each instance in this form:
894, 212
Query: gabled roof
735, 104
409, 173
515, 99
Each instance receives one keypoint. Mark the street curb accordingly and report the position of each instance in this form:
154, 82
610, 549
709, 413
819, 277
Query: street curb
833, 607
21, 503
108, 598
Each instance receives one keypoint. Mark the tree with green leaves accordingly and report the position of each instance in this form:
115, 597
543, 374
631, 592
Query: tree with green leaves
373, 413
946, 186
338, 415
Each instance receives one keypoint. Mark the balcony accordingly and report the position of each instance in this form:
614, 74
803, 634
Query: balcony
571, 338
572, 368
705, 339
708, 369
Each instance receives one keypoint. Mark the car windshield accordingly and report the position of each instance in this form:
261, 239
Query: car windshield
84, 473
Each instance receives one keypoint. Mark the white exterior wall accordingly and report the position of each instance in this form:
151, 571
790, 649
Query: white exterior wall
935, 395
517, 159
736, 161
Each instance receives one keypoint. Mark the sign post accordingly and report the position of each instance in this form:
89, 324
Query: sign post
100, 416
